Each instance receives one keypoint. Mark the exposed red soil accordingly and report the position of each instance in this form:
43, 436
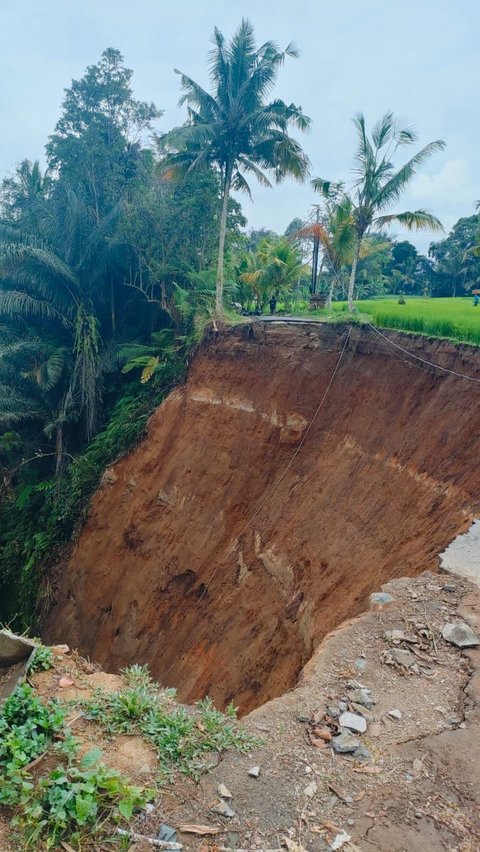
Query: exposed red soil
388, 475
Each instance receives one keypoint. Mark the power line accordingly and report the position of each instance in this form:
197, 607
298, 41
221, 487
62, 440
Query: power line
423, 360
290, 463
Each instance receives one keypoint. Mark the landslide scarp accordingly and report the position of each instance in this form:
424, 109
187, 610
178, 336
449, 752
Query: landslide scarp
191, 563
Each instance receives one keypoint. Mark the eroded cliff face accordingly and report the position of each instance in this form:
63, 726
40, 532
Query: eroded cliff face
171, 570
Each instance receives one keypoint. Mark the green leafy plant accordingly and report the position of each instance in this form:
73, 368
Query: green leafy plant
28, 729
76, 799
183, 738
42, 660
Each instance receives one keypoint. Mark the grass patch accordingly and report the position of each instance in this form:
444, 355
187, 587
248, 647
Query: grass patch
184, 738
456, 319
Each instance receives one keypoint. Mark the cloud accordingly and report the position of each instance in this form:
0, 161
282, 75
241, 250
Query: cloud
452, 183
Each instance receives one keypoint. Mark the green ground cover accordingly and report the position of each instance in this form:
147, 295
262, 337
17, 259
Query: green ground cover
455, 318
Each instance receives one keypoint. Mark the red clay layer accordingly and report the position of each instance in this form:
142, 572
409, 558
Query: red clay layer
387, 476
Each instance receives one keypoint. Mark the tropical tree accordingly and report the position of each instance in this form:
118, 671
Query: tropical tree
274, 268
379, 184
457, 264
235, 126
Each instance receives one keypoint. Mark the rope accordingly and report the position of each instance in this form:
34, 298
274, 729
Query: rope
423, 360
290, 463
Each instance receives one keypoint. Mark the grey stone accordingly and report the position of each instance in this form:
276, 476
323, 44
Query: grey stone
460, 635
254, 772
403, 658
167, 833
342, 706
449, 587
14, 649
360, 664
345, 743
381, 599
395, 714
224, 792
359, 708
394, 635
224, 810
354, 722
363, 696
333, 711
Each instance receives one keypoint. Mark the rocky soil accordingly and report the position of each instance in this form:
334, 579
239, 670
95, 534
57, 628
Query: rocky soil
404, 777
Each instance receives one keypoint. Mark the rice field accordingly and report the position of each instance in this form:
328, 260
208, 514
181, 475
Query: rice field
457, 318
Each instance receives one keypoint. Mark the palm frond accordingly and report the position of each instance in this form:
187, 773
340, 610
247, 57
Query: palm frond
415, 220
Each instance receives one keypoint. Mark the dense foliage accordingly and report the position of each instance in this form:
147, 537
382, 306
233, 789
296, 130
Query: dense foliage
104, 279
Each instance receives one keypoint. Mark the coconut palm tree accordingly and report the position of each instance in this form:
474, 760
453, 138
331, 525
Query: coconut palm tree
379, 184
235, 126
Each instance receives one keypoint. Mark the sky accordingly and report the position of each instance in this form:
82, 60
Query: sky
417, 58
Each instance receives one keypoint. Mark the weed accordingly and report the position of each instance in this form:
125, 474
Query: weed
74, 799
71, 800
183, 738
41, 660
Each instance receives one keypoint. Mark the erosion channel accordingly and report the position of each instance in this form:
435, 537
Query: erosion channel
221, 557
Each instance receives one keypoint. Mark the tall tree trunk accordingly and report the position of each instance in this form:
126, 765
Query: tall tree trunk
221, 244
328, 304
351, 285
163, 290
112, 307
58, 450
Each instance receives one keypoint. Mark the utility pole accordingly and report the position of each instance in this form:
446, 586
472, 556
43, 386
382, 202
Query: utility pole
316, 249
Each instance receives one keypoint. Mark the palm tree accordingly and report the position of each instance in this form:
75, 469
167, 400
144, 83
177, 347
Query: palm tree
235, 127
379, 183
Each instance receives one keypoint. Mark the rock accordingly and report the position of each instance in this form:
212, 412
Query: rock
345, 743
360, 664
363, 753
310, 790
355, 684
354, 722
13, 648
224, 792
340, 840
394, 635
342, 706
323, 734
254, 772
167, 833
449, 587
333, 711
380, 600
403, 658
363, 696
460, 635
224, 810
360, 708
395, 714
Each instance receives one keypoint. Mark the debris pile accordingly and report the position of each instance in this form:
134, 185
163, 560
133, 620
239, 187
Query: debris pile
343, 720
